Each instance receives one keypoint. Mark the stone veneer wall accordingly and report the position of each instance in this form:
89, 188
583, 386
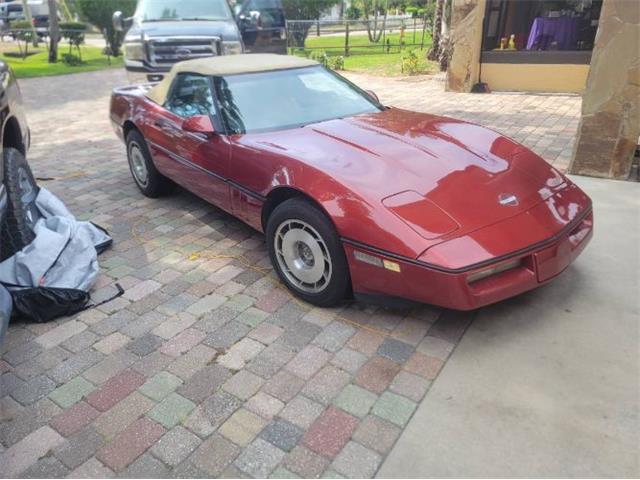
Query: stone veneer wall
610, 124
466, 35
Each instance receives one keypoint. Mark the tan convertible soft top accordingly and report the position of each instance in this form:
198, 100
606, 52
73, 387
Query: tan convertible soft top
227, 65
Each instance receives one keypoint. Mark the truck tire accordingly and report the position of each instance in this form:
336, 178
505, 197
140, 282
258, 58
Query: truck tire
16, 231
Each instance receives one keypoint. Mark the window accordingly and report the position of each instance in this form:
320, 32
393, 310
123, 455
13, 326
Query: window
159, 10
258, 102
540, 28
190, 96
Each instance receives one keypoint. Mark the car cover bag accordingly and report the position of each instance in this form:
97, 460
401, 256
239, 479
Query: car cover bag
52, 276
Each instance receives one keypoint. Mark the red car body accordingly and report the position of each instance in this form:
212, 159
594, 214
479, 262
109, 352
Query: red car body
444, 203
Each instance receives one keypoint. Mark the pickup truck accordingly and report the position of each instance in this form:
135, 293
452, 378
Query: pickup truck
163, 32
12, 11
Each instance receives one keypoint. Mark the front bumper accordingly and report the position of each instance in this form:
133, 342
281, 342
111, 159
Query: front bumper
452, 289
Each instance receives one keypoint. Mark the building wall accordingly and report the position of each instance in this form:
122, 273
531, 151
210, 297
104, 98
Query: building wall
512, 77
610, 124
465, 69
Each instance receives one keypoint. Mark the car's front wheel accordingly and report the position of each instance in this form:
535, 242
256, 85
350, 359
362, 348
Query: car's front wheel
149, 180
306, 252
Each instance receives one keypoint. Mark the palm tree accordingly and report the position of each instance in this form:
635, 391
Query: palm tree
371, 6
54, 31
434, 51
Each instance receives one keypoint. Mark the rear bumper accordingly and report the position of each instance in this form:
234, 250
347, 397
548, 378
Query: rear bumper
420, 282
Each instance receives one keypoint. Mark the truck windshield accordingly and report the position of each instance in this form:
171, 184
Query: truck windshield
170, 10
267, 101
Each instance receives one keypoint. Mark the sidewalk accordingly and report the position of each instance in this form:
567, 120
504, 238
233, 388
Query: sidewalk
545, 385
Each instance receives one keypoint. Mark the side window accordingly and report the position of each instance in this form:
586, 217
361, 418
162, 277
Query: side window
190, 96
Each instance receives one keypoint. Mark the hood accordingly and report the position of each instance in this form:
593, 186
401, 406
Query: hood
474, 175
225, 29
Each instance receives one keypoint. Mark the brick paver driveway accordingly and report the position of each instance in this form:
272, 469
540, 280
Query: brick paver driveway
206, 366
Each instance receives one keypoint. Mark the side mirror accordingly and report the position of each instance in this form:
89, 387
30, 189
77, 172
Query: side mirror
118, 21
199, 124
373, 95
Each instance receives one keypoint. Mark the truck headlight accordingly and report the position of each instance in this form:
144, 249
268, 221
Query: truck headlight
134, 51
231, 48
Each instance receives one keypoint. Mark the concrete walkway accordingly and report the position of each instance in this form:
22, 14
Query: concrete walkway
546, 385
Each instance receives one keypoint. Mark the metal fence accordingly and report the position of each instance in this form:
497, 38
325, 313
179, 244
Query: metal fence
357, 37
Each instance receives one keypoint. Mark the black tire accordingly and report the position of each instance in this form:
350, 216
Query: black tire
22, 213
156, 184
338, 284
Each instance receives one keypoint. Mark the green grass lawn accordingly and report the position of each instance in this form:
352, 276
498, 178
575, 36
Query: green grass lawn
36, 65
372, 58
386, 64
360, 44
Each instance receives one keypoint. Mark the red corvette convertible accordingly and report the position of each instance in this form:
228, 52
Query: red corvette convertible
354, 196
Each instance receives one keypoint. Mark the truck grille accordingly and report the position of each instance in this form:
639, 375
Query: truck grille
166, 52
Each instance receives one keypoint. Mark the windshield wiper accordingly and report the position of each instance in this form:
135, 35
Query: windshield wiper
199, 19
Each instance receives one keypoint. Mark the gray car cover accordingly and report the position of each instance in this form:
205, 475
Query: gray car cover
63, 255
5, 311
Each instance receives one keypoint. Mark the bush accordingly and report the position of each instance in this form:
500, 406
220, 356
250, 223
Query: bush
319, 56
303, 10
100, 13
23, 33
410, 62
336, 63
353, 13
73, 32
71, 59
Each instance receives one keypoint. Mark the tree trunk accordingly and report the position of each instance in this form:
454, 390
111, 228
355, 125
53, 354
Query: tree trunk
54, 31
434, 51
445, 45
27, 16
375, 33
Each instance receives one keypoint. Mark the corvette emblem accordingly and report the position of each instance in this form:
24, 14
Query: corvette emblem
508, 199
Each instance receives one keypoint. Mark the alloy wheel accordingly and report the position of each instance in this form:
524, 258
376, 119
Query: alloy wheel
303, 256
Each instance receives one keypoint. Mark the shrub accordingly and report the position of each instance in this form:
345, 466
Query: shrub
353, 13
319, 56
71, 59
100, 13
413, 11
23, 33
336, 63
410, 62
74, 33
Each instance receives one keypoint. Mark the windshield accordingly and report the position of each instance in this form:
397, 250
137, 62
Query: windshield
167, 10
258, 102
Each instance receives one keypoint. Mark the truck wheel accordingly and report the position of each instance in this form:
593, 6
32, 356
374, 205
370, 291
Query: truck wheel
149, 180
22, 213
307, 253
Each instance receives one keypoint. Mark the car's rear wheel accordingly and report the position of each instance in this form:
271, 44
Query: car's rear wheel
147, 177
307, 254
17, 230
